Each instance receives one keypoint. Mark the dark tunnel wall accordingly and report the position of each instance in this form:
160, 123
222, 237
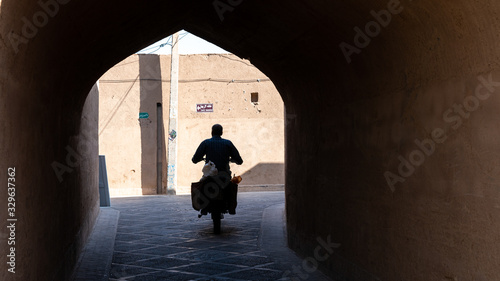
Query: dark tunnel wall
391, 158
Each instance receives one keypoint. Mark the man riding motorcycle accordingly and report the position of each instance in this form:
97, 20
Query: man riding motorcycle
216, 194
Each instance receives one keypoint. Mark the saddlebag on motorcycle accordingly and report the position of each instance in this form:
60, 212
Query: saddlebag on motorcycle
213, 189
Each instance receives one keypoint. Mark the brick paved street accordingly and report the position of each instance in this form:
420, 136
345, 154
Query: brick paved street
161, 238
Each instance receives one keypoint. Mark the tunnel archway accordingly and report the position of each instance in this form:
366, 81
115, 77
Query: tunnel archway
376, 78
256, 127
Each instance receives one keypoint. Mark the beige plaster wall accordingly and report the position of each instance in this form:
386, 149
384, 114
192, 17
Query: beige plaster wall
226, 81
53, 220
128, 142
85, 199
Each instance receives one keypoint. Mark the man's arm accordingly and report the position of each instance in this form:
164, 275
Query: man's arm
235, 155
200, 152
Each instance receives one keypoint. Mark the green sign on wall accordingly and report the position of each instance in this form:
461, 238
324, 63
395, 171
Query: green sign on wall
143, 115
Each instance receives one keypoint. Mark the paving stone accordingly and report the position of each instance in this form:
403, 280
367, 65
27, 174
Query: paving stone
219, 279
246, 260
256, 274
163, 250
127, 258
203, 255
166, 275
162, 263
131, 247
160, 231
120, 271
238, 248
163, 241
211, 268
121, 236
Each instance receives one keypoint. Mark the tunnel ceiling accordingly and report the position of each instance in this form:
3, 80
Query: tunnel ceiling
420, 41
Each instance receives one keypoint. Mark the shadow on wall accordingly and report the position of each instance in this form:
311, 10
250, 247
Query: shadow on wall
265, 174
151, 95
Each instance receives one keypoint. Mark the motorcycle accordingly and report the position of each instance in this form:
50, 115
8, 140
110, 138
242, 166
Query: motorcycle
216, 195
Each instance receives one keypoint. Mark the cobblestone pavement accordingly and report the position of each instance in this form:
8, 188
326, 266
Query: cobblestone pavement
161, 238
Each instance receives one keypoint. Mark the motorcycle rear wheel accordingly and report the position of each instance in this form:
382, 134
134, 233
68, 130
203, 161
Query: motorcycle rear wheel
216, 217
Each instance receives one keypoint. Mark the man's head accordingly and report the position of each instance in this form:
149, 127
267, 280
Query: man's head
217, 130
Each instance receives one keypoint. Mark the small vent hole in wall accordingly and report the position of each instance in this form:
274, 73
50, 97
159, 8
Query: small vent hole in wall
254, 97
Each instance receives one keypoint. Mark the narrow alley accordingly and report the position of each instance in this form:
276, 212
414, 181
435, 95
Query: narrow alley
161, 238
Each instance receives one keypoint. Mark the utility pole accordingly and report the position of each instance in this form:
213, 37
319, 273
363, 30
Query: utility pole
172, 127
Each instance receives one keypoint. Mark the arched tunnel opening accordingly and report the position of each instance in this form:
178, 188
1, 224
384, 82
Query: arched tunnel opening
391, 124
136, 137
163, 233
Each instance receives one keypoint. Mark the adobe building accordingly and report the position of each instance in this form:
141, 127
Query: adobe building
132, 131
391, 125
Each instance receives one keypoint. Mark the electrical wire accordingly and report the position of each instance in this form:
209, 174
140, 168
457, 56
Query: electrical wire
118, 105
228, 81
168, 43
